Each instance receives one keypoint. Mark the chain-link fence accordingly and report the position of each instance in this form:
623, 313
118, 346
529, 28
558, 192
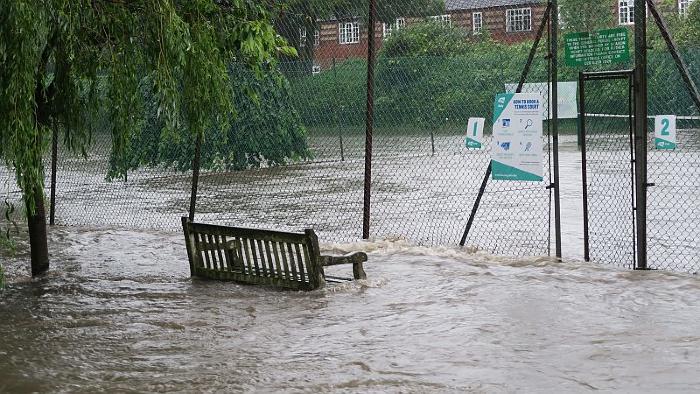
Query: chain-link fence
294, 155
673, 213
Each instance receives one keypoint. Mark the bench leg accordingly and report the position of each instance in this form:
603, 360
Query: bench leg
358, 271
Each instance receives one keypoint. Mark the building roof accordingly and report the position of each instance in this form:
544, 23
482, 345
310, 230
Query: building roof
455, 5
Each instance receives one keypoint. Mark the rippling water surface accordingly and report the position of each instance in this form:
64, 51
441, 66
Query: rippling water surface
119, 312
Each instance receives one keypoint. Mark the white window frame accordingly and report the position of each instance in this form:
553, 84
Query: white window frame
302, 37
444, 19
400, 23
516, 18
625, 12
348, 33
388, 28
317, 37
683, 6
477, 27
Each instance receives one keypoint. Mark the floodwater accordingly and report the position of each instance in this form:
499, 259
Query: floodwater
118, 311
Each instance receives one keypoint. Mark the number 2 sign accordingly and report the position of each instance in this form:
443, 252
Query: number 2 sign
665, 132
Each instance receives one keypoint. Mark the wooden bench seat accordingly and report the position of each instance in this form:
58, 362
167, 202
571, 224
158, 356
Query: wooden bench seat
274, 258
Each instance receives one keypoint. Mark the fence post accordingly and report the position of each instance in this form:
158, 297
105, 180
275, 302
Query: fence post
369, 118
640, 128
195, 174
54, 159
584, 175
554, 18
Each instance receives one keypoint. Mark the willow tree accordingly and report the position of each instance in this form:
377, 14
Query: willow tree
57, 57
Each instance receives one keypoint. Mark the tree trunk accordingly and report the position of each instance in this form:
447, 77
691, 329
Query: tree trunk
37, 235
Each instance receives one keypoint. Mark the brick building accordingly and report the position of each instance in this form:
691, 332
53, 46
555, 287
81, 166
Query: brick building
507, 21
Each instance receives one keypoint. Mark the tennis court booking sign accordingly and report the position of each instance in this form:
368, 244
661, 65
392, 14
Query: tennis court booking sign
665, 132
475, 133
516, 146
597, 48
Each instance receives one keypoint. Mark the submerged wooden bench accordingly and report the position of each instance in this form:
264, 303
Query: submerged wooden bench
275, 258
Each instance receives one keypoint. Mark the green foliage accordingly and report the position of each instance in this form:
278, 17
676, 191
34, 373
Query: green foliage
459, 80
332, 97
53, 53
428, 38
265, 130
432, 92
688, 33
586, 15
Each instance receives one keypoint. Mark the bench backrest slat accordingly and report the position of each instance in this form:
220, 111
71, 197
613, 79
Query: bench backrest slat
276, 258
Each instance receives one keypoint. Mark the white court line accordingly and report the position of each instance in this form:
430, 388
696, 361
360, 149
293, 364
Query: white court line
650, 116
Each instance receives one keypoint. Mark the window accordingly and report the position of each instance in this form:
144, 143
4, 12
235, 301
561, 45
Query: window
626, 12
518, 19
302, 37
348, 32
317, 37
683, 6
477, 22
445, 20
388, 28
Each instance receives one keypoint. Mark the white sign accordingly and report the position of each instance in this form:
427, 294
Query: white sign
516, 146
566, 91
665, 132
475, 133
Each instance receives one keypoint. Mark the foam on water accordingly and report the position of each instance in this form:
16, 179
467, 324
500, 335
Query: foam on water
119, 312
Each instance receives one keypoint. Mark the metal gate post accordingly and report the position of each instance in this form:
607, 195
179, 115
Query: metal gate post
640, 129
582, 142
554, 117
370, 118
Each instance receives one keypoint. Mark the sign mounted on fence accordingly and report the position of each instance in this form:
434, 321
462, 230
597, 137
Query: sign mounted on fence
665, 132
475, 133
597, 48
516, 146
568, 108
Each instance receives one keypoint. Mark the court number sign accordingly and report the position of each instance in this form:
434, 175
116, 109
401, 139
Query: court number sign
475, 133
665, 132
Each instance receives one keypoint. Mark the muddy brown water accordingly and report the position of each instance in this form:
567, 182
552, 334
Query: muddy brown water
118, 312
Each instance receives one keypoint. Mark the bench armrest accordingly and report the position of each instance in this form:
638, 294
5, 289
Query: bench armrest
356, 259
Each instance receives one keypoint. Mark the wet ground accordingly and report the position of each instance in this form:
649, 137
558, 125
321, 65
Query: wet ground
119, 312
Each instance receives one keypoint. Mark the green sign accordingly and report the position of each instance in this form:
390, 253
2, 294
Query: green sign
598, 48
